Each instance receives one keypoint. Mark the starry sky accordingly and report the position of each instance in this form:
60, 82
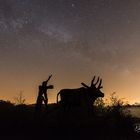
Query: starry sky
73, 40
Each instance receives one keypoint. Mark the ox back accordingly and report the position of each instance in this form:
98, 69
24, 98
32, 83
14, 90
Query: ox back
73, 97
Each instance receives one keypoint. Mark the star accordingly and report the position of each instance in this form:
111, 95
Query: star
73, 5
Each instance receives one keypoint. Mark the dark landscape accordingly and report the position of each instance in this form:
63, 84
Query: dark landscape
20, 122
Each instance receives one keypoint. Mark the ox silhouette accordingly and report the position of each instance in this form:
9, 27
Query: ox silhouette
83, 97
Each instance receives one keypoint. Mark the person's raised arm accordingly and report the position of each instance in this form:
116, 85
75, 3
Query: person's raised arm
48, 78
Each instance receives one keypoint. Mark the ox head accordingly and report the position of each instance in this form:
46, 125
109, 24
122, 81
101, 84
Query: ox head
94, 88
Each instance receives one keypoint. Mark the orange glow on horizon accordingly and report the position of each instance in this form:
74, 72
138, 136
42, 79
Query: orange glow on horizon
131, 95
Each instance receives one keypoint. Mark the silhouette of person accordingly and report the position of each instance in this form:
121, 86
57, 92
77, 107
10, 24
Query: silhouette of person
42, 95
44, 89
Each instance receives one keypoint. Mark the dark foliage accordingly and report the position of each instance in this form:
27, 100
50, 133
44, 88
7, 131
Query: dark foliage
20, 121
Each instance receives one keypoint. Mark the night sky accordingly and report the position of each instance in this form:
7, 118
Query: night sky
73, 40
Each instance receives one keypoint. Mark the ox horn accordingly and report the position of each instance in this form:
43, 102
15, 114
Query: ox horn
92, 81
97, 81
83, 84
99, 86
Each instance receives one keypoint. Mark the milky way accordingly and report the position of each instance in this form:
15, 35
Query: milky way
73, 40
